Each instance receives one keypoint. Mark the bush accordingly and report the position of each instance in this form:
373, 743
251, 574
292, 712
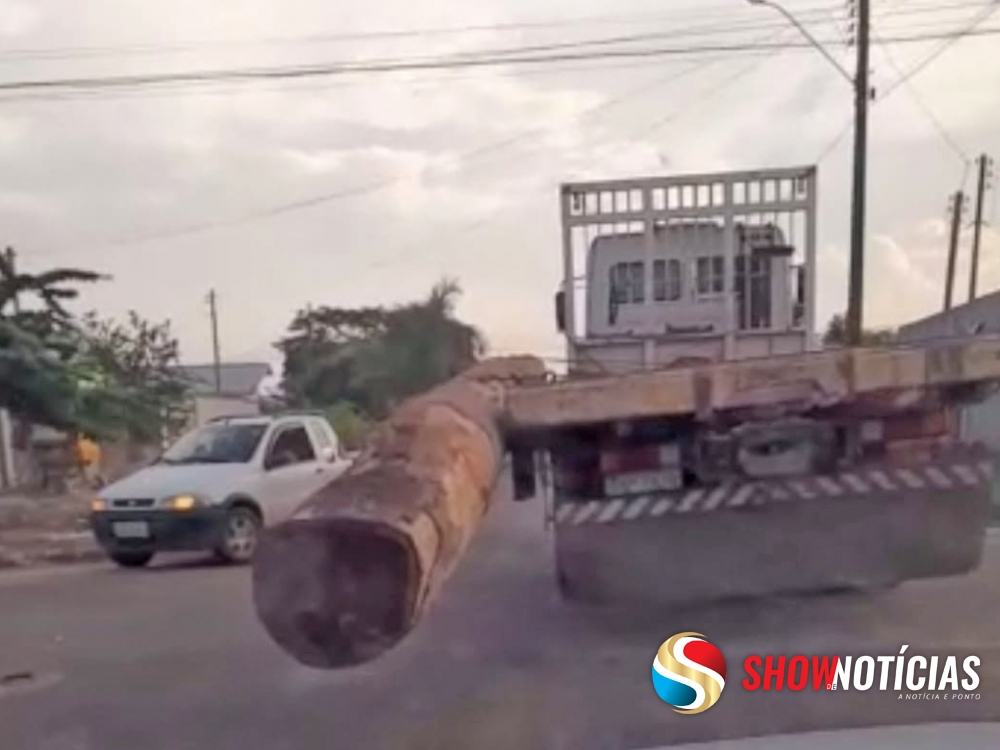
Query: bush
350, 424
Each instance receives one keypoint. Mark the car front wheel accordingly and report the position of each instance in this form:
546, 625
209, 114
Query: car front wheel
240, 535
131, 559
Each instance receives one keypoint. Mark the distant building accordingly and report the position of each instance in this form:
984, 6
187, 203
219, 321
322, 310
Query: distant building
982, 315
237, 392
236, 378
980, 421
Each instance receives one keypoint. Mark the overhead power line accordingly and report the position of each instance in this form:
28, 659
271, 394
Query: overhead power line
434, 79
970, 29
237, 86
360, 190
746, 24
278, 209
488, 58
816, 12
919, 101
701, 98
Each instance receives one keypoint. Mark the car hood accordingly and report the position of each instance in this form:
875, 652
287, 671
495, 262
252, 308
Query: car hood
164, 480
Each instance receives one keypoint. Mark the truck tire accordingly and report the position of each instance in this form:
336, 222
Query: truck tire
131, 558
240, 535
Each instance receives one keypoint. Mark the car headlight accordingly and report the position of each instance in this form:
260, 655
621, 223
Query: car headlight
182, 502
98, 504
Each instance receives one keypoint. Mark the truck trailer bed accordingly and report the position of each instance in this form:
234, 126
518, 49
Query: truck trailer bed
886, 378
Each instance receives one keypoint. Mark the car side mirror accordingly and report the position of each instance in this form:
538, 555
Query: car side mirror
329, 454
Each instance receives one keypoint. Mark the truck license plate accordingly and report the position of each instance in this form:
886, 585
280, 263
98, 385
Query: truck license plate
130, 529
637, 482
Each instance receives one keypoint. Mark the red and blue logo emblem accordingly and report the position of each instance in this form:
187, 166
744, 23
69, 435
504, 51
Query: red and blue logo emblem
689, 673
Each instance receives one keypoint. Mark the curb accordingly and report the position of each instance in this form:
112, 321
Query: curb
49, 549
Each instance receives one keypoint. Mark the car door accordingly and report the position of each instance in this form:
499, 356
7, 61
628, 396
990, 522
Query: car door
292, 470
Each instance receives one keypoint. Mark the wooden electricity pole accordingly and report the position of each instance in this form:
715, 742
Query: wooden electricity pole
216, 363
855, 289
977, 225
956, 222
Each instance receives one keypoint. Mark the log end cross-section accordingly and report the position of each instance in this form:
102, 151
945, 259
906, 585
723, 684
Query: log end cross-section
355, 568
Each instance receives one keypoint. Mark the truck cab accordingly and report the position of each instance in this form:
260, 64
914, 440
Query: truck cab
687, 269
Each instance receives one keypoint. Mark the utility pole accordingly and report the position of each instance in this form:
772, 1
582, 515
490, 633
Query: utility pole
7, 475
862, 95
855, 289
977, 225
956, 222
216, 364
11, 258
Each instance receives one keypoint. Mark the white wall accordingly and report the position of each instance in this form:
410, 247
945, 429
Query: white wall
210, 407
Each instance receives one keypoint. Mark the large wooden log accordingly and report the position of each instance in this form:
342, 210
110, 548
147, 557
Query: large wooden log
356, 567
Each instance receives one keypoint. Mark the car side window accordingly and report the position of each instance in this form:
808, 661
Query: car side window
291, 446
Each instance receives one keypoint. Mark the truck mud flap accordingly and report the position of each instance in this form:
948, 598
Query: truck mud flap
865, 528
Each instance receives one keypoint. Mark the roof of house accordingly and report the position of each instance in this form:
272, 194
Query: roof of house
237, 378
981, 315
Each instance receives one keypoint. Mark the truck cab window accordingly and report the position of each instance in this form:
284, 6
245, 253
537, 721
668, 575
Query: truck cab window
618, 284
710, 274
637, 282
626, 285
666, 280
753, 292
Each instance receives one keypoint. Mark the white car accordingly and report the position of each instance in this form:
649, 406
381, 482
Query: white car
217, 486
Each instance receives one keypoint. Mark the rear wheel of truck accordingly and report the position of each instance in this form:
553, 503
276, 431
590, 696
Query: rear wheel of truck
240, 535
131, 559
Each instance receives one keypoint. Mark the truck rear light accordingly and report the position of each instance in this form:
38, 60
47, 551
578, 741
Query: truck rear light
624, 459
636, 469
938, 423
914, 437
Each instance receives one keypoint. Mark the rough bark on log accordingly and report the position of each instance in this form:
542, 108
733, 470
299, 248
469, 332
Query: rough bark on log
355, 568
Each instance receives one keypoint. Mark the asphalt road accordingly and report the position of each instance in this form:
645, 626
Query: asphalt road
172, 658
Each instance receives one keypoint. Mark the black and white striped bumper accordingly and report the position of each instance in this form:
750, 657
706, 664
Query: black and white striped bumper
878, 480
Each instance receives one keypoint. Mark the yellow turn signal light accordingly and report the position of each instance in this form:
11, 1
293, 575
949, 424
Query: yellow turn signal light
97, 505
182, 502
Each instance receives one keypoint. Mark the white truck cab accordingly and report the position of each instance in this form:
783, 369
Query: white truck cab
674, 270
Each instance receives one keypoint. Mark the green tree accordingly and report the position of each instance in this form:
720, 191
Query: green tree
372, 358
320, 353
836, 334
129, 378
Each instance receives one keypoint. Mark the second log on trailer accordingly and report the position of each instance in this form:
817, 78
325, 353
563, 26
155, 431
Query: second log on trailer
355, 568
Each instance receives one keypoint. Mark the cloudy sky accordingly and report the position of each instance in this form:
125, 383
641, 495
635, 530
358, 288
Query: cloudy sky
172, 189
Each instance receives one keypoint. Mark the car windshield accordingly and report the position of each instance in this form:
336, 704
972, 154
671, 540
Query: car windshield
216, 444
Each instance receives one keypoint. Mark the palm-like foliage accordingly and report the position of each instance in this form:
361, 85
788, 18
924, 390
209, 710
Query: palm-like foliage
94, 377
37, 342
